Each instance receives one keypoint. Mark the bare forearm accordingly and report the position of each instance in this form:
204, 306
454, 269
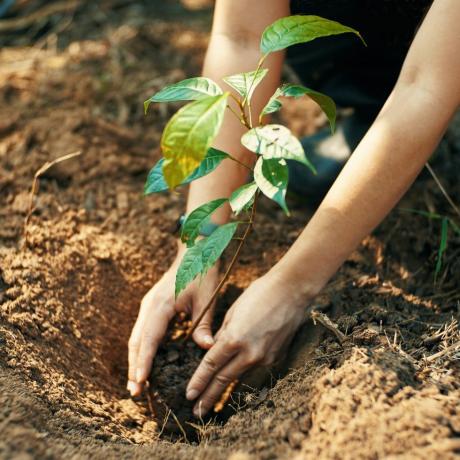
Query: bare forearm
389, 157
379, 172
226, 58
234, 48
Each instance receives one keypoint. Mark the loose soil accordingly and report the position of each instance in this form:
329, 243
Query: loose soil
70, 291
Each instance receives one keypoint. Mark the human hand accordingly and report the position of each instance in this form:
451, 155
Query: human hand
157, 309
258, 325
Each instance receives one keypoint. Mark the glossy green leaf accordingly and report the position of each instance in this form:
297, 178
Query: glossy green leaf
271, 176
203, 255
245, 83
275, 141
442, 246
243, 197
326, 103
197, 218
292, 30
188, 136
156, 182
191, 89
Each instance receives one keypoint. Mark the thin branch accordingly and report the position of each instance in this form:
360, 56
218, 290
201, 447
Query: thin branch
240, 162
227, 273
325, 321
443, 190
236, 115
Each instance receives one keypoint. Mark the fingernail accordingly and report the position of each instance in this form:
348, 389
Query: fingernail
208, 340
191, 394
131, 387
139, 376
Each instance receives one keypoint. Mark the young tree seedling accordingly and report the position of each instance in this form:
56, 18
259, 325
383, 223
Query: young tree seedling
188, 155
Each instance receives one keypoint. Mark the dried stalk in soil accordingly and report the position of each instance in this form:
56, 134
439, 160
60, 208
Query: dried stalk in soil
37, 175
325, 321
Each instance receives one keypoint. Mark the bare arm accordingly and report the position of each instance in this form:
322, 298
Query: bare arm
390, 156
380, 170
234, 48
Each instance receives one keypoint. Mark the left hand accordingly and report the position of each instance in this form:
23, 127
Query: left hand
256, 327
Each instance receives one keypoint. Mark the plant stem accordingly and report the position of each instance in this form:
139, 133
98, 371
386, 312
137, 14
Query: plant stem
236, 115
240, 163
443, 190
228, 271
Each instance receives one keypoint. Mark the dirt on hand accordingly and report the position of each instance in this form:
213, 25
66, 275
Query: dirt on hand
70, 291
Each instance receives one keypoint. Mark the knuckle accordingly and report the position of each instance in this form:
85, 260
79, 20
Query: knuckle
254, 357
234, 343
210, 363
223, 380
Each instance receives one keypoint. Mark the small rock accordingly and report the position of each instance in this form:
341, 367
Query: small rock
295, 439
172, 356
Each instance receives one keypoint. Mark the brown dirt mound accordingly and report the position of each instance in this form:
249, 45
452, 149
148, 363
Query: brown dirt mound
70, 293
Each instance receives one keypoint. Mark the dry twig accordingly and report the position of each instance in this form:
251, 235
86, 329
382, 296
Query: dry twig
325, 321
37, 175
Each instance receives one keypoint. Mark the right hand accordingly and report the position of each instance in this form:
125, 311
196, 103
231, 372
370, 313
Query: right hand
157, 309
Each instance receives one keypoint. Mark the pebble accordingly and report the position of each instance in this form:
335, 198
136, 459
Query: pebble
172, 356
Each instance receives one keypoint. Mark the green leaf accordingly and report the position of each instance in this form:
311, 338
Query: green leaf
292, 30
442, 246
243, 197
275, 141
188, 136
197, 218
326, 103
429, 215
156, 182
203, 255
245, 83
191, 89
272, 177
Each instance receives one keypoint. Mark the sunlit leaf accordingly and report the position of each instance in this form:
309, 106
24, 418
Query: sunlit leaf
272, 177
292, 30
197, 219
243, 197
191, 89
275, 141
156, 182
188, 136
203, 255
245, 83
326, 103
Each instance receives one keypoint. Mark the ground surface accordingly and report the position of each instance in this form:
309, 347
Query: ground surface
69, 293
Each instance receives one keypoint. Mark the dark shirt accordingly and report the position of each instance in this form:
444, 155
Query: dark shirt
355, 75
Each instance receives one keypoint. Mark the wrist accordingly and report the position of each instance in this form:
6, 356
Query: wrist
300, 290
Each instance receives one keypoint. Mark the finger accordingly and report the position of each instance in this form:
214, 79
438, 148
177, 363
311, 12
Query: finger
202, 335
220, 383
154, 330
216, 358
133, 350
134, 388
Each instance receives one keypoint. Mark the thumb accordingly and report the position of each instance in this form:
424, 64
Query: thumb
202, 335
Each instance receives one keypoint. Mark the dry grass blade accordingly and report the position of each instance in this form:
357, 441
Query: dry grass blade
454, 347
37, 175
